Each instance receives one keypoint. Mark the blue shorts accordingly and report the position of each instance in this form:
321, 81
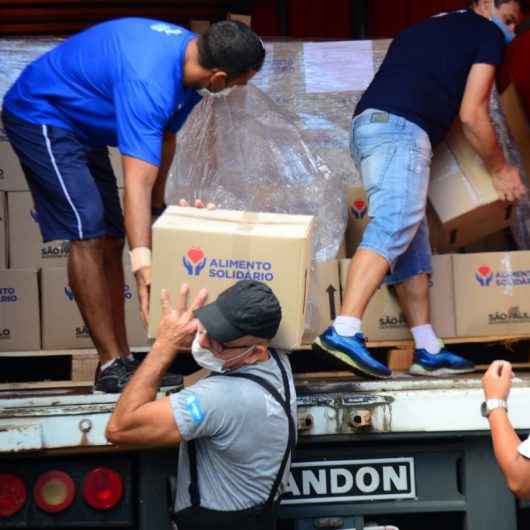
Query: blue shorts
73, 186
393, 156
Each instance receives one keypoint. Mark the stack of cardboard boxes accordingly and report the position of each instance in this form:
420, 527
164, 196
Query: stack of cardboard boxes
485, 294
37, 309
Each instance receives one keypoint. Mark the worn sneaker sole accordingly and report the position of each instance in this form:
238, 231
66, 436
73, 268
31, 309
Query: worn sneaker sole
418, 369
170, 388
349, 362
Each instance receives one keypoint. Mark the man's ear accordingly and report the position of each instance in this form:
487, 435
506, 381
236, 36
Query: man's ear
485, 8
259, 351
218, 80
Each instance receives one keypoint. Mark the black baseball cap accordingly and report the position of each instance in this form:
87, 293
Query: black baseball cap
246, 308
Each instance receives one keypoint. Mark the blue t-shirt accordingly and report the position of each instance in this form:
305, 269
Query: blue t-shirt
118, 83
424, 74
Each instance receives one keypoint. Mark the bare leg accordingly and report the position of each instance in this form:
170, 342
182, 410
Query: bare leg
113, 267
413, 297
366, 273
90, 286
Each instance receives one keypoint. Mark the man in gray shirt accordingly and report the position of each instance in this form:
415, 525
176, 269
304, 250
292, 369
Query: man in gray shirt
238, 423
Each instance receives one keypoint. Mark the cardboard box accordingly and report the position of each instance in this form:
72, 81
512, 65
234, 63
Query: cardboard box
462, 194
3, 231
19, 310
214, 249
492, 293
199, 26
384, 319
357, 217
115, 160
26, 248
245, 19
11, 175
323, 298
62, 324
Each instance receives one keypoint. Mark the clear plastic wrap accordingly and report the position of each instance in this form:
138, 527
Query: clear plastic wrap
244, 152
16, 54
521, 219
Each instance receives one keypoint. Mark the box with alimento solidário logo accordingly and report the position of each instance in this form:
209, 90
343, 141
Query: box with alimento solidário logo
215, 249
62, 324
462, 195
384, 320
323, 298
26, 248
19, 310
3, 231
492, 293
11, 175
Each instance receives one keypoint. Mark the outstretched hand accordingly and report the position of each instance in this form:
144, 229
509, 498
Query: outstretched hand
178, 325
497, 381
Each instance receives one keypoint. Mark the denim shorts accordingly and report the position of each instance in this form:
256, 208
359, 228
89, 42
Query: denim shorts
73, 186
393, 156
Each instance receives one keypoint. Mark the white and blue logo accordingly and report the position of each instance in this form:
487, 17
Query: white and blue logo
166, 28
195, 262
194, 409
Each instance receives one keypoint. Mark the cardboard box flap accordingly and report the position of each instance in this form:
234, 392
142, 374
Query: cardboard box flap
238, 222
446, 198
477, 177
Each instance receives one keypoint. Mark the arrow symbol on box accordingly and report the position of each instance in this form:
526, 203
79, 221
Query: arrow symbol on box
331, 294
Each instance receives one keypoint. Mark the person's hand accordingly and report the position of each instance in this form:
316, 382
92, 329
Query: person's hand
143, 284
198, 204
497, 381
178, 325
508, 184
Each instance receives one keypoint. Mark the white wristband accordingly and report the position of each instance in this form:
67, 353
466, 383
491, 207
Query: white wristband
140, 257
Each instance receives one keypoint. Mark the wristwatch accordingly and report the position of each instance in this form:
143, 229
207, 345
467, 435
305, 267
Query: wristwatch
490, 405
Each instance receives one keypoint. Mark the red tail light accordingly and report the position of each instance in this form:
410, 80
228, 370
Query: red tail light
102, 488
13, 494
54, 491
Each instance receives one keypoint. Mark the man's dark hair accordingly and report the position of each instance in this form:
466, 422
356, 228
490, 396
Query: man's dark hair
232, 47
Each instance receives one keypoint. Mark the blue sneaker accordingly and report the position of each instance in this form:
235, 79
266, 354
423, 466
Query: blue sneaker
440, 364
352, 352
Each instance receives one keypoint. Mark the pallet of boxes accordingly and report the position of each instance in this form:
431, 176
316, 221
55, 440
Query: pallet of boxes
479, 290
39, 319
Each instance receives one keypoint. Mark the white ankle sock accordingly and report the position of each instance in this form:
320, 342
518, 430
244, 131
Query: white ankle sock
347, 326
106, 365
425, 338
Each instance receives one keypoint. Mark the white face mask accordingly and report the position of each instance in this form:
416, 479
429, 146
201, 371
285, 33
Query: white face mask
222, 93
206, 359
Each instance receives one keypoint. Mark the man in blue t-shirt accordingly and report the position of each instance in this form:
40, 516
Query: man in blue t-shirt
439, 69
129, 83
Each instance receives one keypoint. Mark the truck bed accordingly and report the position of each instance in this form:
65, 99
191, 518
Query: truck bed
73, 418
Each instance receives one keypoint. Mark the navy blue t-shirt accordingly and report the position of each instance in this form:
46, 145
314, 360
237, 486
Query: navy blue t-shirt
118, 83
424, 74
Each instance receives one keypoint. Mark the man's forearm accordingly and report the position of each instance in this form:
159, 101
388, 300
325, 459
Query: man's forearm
481, 135
139, 180
143, 386
505, 446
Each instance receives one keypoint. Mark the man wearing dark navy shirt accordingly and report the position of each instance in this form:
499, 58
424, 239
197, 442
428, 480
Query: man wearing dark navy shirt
434, 72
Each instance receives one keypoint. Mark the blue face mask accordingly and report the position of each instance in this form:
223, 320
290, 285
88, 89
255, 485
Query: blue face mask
509, 35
